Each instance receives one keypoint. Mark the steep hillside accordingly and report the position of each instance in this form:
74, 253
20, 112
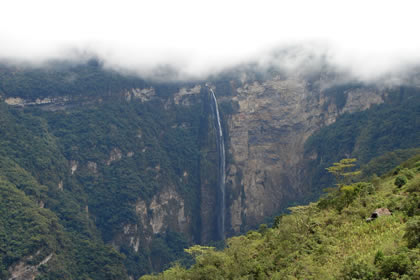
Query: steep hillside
36, 242
277, 123
393, 125
122, 168
329, 239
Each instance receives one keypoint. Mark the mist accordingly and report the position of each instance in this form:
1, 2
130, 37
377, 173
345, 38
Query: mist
195, 39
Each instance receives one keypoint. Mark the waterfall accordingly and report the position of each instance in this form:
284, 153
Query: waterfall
222, 166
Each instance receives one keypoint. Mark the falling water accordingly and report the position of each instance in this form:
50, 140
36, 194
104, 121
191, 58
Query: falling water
222, 167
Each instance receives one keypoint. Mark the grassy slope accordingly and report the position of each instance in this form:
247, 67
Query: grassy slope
319, 242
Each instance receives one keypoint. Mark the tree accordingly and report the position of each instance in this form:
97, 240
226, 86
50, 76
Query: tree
341, 170
412, 232
400, 181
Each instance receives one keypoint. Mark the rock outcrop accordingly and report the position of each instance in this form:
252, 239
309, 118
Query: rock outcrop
165, 211
24, 271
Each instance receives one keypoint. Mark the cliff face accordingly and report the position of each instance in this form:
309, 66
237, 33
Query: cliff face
166, 211
267, 135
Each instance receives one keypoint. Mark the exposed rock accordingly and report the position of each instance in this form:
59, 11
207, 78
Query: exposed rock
141, 211
165, 211
73, 166
182, 96
115, 155
92, 167
15, 101
267, 135
18, 101
23, 271
145, 94
361, 99
60, 184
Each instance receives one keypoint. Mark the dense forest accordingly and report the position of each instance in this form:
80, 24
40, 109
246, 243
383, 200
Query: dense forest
116, 149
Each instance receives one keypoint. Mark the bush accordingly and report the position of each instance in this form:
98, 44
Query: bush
391, 266
414, 186
411, 205
412, 232
400, 181
354, 269
407, 173
379, 257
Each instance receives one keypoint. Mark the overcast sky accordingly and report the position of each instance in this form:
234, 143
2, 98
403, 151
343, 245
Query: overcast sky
199, 37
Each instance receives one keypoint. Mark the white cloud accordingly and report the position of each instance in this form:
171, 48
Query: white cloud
368, 37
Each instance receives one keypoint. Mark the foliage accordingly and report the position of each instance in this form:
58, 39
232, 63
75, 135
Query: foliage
64, 78
412, 232
400, 181
159, 147
341, 172
390, 130
386, 162
353, 269
30, 233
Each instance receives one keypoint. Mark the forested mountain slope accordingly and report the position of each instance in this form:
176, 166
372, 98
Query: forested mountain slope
329, 239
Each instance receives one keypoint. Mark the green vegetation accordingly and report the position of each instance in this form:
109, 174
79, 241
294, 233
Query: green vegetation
60, 78
325, 240
30, 233
400, 181
390, 131
341, 172
70, 176
153, 146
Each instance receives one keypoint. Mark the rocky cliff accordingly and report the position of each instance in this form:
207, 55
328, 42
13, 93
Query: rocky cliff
267, 134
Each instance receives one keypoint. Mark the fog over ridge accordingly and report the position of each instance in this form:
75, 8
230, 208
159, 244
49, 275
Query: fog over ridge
182, 40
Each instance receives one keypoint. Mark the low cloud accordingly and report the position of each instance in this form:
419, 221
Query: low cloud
192, 40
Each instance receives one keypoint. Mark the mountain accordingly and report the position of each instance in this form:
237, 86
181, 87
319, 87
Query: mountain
125, 170
334, 238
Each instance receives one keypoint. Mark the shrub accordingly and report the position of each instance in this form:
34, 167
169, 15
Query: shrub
400, 181
411, 205
379, 257
365, 189
396, 170
394, 265
414, 186
412, 232
407, 173
354, 269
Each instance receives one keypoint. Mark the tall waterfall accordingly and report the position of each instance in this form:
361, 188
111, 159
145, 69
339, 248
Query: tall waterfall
222, 167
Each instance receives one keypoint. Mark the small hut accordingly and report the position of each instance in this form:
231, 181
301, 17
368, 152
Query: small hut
378, 213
